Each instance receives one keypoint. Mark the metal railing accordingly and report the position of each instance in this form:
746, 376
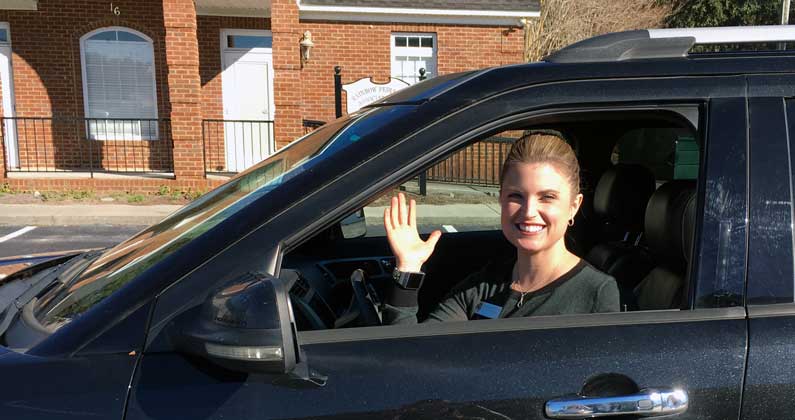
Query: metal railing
233, 145
478, 164
74, 144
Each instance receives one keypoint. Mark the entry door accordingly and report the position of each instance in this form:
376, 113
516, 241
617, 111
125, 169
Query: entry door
248, 98
7, 84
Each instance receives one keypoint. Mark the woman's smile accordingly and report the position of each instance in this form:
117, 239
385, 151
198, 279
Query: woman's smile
529, 229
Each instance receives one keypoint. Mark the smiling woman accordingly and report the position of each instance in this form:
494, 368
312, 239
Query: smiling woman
539, 197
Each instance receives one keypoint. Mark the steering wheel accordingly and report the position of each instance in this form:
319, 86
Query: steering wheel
366, 302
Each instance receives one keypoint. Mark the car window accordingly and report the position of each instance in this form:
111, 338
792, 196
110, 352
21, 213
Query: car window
119, 265
670, 152
650, 264
458, 194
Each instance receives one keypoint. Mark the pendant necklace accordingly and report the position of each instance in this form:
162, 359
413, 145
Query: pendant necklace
515, 278
521, 300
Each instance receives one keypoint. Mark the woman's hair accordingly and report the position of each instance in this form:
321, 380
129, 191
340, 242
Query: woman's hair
545, 148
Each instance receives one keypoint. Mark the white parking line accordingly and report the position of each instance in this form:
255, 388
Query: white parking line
20, 232
449, 228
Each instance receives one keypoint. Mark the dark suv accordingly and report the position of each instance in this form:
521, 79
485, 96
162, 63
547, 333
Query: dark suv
243, 304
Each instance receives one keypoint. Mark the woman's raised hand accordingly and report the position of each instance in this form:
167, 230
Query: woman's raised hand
400, 222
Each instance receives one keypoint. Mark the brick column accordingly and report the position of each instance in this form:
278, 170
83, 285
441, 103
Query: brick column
287, 71
184, 87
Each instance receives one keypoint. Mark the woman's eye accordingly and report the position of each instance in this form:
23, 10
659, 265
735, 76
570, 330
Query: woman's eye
548, 197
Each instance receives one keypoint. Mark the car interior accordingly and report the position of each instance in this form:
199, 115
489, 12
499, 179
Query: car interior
639, 174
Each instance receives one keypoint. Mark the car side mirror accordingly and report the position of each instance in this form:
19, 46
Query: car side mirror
354, 226
247, 327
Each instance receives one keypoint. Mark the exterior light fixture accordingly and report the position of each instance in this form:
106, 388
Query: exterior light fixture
306, 46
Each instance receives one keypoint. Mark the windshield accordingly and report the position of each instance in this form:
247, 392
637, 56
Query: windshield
118, 265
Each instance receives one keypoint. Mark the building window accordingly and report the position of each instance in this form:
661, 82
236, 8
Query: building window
119, 85
412, 52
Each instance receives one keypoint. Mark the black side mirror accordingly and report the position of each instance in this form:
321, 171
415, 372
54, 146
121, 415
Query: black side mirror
246, 327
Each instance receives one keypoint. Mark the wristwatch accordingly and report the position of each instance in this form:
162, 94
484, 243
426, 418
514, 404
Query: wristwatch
408, 280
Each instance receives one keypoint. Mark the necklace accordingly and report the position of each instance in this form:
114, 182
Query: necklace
515, 282
521, 300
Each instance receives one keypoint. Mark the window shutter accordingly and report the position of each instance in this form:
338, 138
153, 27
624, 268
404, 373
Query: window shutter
120, 84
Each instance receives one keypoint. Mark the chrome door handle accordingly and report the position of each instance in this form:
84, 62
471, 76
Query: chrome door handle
647, 403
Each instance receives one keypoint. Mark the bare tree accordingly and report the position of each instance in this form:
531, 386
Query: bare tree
564, 22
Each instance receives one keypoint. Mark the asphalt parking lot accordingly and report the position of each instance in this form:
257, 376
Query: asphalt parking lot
31, 239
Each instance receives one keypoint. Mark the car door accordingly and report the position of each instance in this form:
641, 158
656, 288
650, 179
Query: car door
509, 368
769, 381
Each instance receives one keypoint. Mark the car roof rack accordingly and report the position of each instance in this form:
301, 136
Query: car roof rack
664, 43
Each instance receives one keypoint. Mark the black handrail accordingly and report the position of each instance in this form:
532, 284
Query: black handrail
76, 144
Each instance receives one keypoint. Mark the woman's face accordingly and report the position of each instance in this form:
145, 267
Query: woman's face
536, 205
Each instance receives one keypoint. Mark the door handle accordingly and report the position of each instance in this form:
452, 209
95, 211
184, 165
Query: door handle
646, 403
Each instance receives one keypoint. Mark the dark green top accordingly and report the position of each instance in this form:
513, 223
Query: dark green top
583, 289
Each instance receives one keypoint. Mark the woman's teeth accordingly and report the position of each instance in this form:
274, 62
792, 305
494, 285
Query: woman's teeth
530, 228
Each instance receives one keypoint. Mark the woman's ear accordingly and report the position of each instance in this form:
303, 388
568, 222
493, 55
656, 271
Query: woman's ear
575, 205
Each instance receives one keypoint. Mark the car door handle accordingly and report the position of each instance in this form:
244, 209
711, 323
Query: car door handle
646, 403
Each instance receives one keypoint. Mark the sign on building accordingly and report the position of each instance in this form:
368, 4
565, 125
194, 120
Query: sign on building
364, 91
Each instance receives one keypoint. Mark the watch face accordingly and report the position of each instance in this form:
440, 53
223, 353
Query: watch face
413, 280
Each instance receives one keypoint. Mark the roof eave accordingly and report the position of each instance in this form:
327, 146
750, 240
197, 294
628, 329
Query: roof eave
407, 15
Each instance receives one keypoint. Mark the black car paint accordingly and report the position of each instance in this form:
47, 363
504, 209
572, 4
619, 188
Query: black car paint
657, 351
341, 395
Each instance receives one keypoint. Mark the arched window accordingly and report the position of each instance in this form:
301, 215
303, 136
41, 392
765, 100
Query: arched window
119, 84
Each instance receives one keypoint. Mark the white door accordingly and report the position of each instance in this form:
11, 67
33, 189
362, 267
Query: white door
248, 100
7, 85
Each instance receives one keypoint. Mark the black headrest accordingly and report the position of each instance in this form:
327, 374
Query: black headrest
621, 196
670, 216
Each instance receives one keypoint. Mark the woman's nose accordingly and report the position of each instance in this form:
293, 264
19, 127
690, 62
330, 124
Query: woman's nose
530, 209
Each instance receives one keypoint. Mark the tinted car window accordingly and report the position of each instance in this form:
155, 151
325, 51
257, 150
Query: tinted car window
671, 153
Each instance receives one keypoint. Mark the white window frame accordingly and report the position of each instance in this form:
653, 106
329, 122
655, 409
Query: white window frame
395, 51
125, 137
265, 33
9, 106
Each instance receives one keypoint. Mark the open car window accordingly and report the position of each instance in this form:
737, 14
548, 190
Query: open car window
461, 198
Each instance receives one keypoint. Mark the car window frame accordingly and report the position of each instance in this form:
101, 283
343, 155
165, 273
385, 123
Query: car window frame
543, 322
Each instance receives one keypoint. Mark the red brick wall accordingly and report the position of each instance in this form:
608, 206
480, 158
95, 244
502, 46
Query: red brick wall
48, 78
47, 69
363, 49
287, 71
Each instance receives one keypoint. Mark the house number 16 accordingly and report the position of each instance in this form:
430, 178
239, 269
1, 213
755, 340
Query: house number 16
115, 9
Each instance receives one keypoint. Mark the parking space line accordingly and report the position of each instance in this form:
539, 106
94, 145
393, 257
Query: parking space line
449, 228
20, 232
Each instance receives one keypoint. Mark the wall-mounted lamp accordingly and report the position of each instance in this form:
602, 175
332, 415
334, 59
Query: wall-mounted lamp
306, 46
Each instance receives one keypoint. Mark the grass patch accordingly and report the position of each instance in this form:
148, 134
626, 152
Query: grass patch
76, 195
135, 198
178, 194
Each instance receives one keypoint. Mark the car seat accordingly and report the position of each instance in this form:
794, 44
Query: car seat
670, 220
620, 201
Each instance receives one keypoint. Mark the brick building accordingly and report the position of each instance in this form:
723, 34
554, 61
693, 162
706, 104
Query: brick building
137, 94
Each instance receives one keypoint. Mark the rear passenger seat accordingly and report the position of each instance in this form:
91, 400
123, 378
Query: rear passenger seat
670, 217
620, 201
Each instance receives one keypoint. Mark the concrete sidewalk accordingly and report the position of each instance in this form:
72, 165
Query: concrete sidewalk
120, 214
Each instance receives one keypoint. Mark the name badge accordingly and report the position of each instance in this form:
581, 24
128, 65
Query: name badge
488, 310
